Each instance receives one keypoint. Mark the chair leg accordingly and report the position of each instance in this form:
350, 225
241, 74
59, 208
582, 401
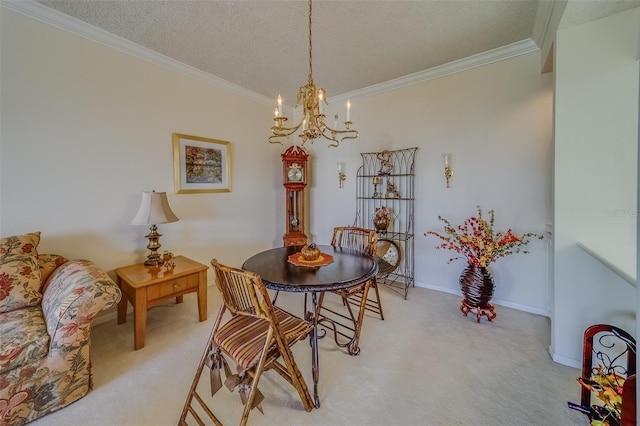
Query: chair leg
254, 387
375, 287
196, 379
295, 377
193, 393
354, 348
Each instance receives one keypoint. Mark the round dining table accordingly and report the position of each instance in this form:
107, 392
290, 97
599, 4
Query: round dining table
279, 271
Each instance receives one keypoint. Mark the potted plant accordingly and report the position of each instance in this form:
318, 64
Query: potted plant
477, 242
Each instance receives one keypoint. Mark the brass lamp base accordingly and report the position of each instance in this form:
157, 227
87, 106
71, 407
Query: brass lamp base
154, 258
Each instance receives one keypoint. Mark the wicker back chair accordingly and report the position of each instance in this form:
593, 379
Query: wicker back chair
255, 336
364, 240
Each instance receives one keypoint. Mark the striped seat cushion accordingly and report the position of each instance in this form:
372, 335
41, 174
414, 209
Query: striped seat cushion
243, 337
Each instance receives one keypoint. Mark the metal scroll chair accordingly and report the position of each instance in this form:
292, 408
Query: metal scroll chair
255, 336
612, 350
364, 240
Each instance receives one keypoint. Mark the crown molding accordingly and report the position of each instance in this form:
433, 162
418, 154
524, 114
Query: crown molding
499, 54
541, 25
57, 19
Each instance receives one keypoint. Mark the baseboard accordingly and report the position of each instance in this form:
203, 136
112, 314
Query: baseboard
569, 362
516, 306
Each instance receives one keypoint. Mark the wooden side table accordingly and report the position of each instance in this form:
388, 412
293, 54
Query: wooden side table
147, 286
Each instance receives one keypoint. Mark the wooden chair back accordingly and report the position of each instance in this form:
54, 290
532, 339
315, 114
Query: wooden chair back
243, 292
356, 238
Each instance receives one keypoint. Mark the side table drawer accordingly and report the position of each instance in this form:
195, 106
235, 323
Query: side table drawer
173, 287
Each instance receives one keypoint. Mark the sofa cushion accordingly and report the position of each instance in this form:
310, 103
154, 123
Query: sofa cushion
19, 272
24, 338
49, 263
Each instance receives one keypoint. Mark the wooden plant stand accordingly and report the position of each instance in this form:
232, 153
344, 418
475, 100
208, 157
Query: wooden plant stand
488, 312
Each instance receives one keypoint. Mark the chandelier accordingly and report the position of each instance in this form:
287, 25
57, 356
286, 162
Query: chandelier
312, 123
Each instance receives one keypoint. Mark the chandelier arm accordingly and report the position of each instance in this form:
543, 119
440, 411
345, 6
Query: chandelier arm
354, 132
348, 134
283, 132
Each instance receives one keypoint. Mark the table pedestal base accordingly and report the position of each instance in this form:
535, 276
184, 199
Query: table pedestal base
488, 312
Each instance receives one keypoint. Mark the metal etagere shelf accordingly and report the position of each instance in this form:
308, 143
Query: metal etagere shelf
386, 179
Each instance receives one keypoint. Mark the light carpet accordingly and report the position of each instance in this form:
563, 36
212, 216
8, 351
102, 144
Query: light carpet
425, 364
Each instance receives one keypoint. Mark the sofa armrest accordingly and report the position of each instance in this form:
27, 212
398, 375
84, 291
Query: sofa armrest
77, 291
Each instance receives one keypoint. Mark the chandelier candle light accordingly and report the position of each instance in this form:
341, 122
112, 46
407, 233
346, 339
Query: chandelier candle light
312, 124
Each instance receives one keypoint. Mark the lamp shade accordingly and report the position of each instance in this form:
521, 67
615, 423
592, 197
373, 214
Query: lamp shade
154, 209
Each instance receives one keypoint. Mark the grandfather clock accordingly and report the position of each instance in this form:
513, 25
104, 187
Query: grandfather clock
294, 170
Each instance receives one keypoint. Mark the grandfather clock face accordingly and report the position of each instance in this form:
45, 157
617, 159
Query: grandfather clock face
294, 169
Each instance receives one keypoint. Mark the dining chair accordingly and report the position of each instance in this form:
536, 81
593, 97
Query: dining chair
255, 337
366, 241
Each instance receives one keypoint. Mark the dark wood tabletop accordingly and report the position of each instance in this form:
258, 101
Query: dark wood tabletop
349, 268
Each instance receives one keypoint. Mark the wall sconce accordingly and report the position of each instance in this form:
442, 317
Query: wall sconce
447, 168
341, 175
154, 210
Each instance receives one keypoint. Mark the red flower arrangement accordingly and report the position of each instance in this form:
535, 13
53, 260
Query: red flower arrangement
476, 240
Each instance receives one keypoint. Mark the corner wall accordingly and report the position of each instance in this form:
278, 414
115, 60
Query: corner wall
595, 202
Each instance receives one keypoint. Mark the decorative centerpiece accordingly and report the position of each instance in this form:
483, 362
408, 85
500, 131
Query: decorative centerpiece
310, 252
476, 241
381, 219
310, 256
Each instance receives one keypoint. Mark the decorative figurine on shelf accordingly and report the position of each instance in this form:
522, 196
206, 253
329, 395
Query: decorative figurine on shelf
386, 167
167, 260
376, 181
381, 219
392, 191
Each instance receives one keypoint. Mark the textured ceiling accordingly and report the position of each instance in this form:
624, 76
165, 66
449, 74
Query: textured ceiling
263, 45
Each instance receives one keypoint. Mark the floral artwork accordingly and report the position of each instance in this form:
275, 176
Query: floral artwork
201, 164
478, 242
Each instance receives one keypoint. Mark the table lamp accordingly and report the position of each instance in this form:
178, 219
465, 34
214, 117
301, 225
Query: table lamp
154, 209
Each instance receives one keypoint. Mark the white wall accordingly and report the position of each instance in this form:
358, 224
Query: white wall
596, 142
85, 129
496, 121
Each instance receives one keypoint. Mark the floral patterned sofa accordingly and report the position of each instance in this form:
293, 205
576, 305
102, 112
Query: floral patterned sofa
47, 304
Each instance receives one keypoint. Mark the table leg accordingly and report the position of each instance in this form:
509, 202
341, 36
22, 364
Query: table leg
315, 365
122, 304
202, 295
139, 318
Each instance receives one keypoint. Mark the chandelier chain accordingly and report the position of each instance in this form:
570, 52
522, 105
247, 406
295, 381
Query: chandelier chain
312, 124
310, 46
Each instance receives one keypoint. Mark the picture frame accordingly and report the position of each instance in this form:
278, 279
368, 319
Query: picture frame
201, 164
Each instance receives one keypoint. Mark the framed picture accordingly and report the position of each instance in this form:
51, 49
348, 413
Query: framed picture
201, 164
